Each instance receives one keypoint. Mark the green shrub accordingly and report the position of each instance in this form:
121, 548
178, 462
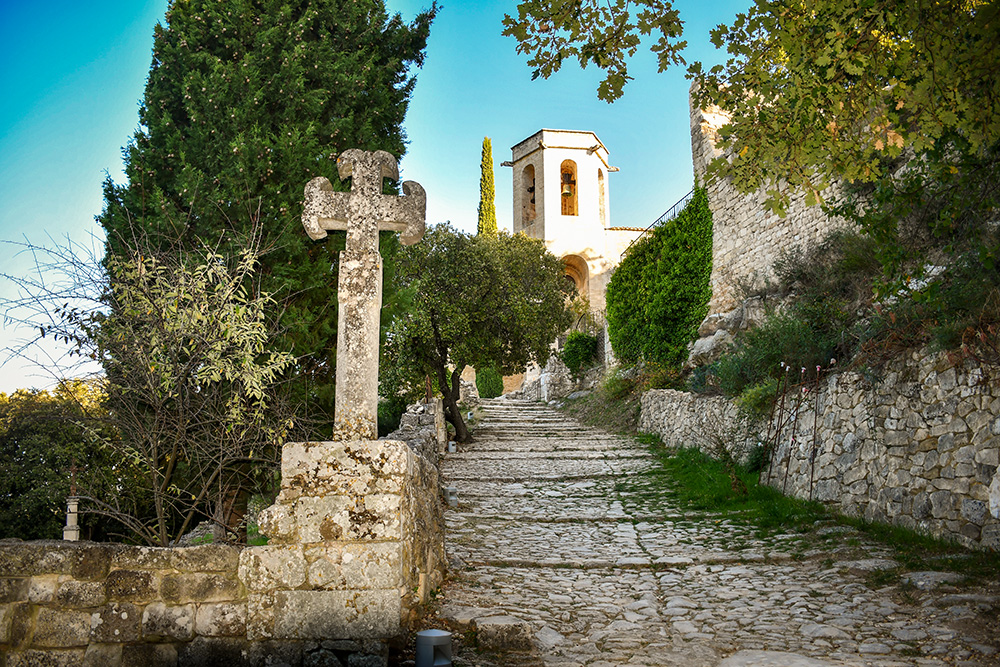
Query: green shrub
489, 383
703, 379
655, 376
756, 401
616, 386
842, 267
758, 354
659, 293
757, 459
390, 411
579, 352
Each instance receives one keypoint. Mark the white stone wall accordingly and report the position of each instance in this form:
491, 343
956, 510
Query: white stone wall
918, 448
746, 238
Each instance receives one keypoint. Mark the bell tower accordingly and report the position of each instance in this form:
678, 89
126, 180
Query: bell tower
561, 196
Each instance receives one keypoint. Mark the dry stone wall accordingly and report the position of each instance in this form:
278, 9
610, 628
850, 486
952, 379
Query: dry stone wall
84, 603
918, 446
747, 238
356, 546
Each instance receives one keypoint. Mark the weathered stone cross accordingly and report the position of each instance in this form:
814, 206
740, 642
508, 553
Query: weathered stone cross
363, 213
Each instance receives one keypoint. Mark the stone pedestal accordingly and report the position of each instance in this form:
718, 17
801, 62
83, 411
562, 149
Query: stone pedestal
356, 543
71, 531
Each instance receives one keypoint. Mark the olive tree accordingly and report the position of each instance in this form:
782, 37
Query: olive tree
483, 301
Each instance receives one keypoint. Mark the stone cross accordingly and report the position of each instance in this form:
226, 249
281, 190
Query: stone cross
363, 212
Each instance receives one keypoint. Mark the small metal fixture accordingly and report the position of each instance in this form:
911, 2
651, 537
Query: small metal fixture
567, 185
452, 447
433, 648
451, 495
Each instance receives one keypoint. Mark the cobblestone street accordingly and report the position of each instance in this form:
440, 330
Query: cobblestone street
556, 550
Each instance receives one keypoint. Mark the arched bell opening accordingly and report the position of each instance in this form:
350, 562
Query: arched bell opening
576, 271
528, 209
568, 187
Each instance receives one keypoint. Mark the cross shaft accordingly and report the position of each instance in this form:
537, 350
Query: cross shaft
363, 213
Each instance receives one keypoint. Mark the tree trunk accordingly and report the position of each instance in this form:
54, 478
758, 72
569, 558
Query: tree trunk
450, 394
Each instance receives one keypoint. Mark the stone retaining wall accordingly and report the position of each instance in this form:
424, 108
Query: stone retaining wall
918, 446
356, 546
747, 238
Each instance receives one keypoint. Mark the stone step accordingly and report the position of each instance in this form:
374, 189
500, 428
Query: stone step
532, 469
577, 454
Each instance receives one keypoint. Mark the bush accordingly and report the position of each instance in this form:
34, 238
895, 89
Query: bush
659, 294
390, 411
758, 354
489, 383
655, 376
579, 352
616, 386
756, 401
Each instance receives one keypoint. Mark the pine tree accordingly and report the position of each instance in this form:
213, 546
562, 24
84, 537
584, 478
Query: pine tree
246, 101
487, 193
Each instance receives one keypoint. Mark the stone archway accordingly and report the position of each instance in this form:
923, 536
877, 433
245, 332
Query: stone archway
576, 270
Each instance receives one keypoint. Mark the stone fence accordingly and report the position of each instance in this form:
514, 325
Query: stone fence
918, 446
356, 546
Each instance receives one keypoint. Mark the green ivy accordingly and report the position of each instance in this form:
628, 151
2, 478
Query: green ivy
578, 352
659, 294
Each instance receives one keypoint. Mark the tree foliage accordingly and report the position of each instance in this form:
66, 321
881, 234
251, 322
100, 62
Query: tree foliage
489, 383
820, 90
482, 301
833, 89
659, 293
191, 388
43, 435
487, 223
600, 32
244, 104
193, 413
579, 352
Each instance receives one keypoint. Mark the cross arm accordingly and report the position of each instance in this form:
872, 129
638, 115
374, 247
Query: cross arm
323, 209
406, 214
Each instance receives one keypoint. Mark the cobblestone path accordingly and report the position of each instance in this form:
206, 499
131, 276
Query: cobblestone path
555, 543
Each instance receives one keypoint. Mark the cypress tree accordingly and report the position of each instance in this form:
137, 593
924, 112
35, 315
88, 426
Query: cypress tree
487, 193
246, 101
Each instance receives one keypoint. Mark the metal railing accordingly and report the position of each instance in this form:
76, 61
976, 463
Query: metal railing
669, 215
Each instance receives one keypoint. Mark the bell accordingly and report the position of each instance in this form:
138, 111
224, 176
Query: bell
567, 191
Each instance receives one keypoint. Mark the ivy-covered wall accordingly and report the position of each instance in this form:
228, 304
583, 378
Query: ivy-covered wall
659, 294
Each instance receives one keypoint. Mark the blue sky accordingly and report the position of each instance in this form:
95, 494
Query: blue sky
71, 77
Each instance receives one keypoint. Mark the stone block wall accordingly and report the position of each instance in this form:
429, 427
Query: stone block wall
356, 545
423, 428
918, 446
683, 419
85, 603
747, 238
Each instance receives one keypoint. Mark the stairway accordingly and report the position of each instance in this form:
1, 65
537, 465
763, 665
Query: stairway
565, 552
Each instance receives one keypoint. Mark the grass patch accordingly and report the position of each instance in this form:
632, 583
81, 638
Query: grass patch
918, 551
700, 482
614, 404
722, 489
